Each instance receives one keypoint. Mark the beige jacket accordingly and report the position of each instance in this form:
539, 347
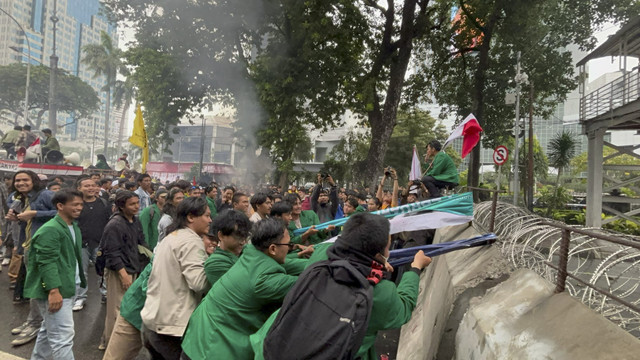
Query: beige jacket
177, 283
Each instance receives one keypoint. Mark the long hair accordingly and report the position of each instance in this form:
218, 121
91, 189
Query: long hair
37, 184
121, 198
169, 208
194, 206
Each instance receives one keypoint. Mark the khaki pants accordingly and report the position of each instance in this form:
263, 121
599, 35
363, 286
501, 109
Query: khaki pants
125, 342
115, 292
14, 266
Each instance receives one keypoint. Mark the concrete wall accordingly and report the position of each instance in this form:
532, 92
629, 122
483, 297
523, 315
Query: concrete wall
519, 318
523, 319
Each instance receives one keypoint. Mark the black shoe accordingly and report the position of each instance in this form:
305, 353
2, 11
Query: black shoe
18, 300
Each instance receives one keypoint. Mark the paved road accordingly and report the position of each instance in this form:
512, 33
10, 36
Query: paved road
89, 322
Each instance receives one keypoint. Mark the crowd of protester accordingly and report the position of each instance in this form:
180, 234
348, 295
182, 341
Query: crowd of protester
201, 271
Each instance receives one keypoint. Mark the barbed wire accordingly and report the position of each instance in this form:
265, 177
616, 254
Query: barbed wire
611, 267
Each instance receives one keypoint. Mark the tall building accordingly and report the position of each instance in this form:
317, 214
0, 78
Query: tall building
220, 147
79, 23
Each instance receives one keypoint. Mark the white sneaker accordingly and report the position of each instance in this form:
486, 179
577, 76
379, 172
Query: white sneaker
78, 305
6, 261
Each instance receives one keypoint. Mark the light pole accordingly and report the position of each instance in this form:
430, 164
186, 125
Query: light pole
521, 78
53, 64
26, 88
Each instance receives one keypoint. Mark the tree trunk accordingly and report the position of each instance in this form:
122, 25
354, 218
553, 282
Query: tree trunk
473, 176
39, 118
127, 104
106, 119
382, 121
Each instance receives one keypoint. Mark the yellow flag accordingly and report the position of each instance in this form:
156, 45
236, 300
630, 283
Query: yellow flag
139, 137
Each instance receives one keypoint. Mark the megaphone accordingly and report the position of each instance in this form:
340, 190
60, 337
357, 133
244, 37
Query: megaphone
120, 165
137, 167
73, 158
53, 157
30, 155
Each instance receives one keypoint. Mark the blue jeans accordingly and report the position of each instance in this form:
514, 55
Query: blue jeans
81, 293
55, 339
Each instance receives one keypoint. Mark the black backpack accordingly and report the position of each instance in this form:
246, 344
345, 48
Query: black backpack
325, 315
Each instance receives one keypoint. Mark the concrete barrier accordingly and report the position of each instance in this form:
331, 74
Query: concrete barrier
446, 277
522, 318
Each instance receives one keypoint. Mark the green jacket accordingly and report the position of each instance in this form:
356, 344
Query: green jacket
392, 308
307, 218
53, 260
11, 136
236, 307
443, 168
218, 264
50, 143
102, 165
133, 300
150, 224
212, 208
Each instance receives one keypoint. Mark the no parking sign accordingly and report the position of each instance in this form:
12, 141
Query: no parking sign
500, 155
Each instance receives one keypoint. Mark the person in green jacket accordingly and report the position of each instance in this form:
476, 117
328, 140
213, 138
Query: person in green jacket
232, 230
442, 172
211, 193
392, 306
50, 142
55, 256
102, 163
304, 218
150, 217
242, 299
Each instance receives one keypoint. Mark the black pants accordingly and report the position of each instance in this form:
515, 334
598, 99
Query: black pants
162, 347
22, 275
434, 186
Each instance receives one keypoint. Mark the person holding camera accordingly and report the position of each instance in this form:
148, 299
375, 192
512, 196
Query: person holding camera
441, 173
325, 202
388, 199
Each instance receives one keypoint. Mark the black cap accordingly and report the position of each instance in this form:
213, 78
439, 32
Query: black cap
17, 127
46, 131
26, 127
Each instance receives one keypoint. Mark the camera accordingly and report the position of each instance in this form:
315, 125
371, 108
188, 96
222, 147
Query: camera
417, 183
387, 171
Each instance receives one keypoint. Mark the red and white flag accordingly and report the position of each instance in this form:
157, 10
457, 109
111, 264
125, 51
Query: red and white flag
415, 166
470, 130
35, 147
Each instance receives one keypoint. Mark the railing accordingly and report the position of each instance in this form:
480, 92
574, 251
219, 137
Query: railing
615, 94
564, 257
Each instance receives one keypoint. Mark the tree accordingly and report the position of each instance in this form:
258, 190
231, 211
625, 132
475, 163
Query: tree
163, 90
485, 36
346, 161
124, 91
414, 127
562, 149
74, 96
104, 59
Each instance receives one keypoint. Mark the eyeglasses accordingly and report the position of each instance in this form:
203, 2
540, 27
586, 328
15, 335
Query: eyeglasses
290, 245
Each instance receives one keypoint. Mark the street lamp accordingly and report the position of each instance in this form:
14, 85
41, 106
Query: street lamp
53, 64
26, 88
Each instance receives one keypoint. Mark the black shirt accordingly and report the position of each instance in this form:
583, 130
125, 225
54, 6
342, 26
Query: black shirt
120, 244
92, 221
